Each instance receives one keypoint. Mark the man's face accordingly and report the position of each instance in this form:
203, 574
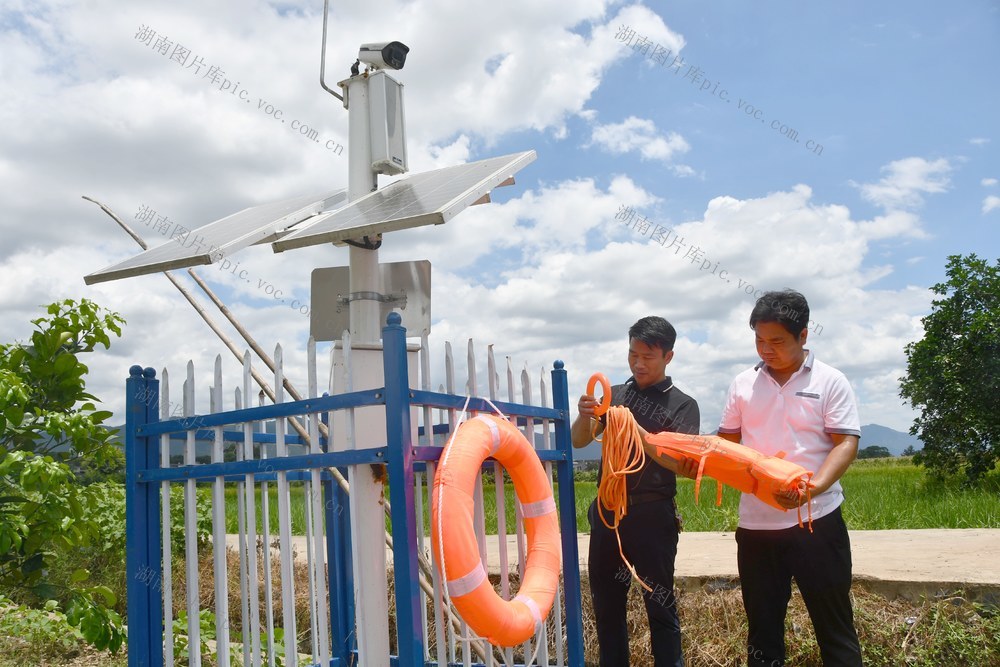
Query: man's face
647, 363
779, 349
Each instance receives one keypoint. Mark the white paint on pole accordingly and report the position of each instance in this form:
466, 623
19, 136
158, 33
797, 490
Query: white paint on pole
425, 384
319, 551
308, 508
366, 511
190, 529
479, 510
219, 527
251, 521
449, 378
519, 523
265, 510
501, 501
310, 570
241, 529
529, 434
440, 643
367, 528
284, 522
365, 277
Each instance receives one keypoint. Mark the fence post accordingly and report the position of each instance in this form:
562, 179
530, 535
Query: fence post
409, 631
143, 569
567, 519
338, 558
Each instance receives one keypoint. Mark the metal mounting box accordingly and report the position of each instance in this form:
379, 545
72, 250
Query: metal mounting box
387, 123
406, 287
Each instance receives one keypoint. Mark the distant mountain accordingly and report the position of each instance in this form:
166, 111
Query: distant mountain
894, 441
588, 453
872, 434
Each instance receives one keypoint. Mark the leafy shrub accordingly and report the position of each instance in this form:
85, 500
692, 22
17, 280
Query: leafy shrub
42, 633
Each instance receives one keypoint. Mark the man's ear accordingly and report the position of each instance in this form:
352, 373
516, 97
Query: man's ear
803, 335
668, 356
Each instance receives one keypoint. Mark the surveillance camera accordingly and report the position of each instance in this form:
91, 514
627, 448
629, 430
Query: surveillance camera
384, 55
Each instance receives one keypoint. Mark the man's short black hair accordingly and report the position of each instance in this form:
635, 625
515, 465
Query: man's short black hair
655, 332
787, 307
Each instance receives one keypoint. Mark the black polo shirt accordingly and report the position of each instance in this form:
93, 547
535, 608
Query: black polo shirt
661, 407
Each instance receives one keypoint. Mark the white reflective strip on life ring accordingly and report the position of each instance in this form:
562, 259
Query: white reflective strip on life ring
494, 431
468, 583
532, 607
538, 508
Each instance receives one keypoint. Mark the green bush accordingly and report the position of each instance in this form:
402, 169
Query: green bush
38, 633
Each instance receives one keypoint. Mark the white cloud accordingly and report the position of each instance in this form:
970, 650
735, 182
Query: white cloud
894, 224
575, 302
96, 106
511, 66
645, 24
906, 181
979, 141
545, 273
988, 182
991, 203
639, 135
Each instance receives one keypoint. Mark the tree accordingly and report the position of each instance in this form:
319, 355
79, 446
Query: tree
874, 452
47, 419
953, 373
909, 451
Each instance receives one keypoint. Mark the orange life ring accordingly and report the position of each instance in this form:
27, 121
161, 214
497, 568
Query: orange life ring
606, 387
501, 622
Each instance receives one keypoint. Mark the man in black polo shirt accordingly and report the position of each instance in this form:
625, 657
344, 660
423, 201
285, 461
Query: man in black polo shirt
649, 530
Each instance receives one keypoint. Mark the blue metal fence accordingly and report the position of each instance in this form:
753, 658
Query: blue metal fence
402, 457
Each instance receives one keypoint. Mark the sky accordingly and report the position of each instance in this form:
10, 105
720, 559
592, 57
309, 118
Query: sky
690, 154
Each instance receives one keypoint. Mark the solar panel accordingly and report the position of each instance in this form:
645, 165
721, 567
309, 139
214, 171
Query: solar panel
211, 242
429, 198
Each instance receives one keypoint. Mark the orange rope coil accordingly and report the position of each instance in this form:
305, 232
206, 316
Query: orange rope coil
621, 455
605, 387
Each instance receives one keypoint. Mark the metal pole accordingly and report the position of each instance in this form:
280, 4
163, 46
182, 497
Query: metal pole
570, 548
368, 537
142, 523
409, 626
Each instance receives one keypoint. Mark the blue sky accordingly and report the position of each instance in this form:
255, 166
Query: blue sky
901, 96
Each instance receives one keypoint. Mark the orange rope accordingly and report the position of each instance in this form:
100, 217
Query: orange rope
808, 495
622, 455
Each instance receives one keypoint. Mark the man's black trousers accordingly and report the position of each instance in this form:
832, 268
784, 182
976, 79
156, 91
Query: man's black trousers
649, 540
820, 562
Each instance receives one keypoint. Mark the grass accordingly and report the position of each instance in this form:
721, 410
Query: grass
893, 493
297, 509
881, 494
942, 631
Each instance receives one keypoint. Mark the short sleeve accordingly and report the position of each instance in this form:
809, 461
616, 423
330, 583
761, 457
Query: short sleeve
841, 410
688, 418
732, 418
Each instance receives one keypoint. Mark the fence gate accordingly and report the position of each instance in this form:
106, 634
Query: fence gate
255, 500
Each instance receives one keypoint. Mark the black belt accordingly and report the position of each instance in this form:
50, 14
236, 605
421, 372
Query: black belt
648, 497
